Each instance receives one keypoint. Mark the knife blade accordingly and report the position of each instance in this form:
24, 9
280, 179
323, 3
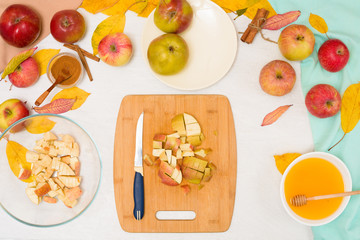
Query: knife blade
139, 173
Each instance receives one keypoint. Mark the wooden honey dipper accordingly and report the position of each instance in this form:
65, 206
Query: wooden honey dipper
301, 200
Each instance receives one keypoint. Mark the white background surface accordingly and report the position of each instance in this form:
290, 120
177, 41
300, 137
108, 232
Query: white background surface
258, 213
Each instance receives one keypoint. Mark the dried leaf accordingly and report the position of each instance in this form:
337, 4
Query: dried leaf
73, 93
121, 6
232, 6
16, 61
281, 20
270, 118
148, 9
38, 125
43, 57
283, 161
16, 154
251, 11
318, 23
57, 106
96, 6
350, 109
112, 24
240, 12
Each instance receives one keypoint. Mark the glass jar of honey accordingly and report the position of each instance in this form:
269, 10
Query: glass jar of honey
66, 67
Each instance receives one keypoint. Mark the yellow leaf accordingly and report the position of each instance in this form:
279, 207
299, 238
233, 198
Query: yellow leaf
43, 57
39, 125
112, 24
96, 6
283, 161
148, 9
16, 155
318, 23
350, 108
231, 5
73, 93
251, 11
120, 7
15, 61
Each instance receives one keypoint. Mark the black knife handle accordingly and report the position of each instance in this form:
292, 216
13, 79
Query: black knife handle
138, 196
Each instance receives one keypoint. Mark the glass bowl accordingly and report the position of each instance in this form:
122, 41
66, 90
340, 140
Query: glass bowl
13, 198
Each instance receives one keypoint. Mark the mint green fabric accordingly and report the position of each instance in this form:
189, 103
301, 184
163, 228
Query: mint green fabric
343, 20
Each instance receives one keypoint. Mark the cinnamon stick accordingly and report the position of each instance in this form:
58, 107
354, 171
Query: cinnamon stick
255, 25
86, 53
84, 62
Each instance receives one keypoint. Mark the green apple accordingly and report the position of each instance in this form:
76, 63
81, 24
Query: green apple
173, 16
10, 111
168, 54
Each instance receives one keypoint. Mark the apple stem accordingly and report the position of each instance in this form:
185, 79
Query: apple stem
337, 142
134, 4
327, 36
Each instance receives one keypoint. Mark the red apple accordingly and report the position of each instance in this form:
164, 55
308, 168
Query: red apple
67, 26
165, 173
11, 111
19, 25
277, 78
115, 49
26, 74
173, 16
296, 42
333, 55
323, 101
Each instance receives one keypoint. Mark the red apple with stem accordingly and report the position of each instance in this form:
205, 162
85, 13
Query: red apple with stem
277, 78
115, 49
26, 74
67, 26
333, 55
296, 42
173, 16
323, 101
19, 25
11, 111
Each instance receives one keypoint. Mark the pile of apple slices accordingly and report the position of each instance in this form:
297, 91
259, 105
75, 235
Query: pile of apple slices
178, 156
55, 170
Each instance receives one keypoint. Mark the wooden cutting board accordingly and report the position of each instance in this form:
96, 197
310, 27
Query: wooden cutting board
214, 203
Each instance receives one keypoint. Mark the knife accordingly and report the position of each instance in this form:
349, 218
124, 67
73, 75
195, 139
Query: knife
139, 174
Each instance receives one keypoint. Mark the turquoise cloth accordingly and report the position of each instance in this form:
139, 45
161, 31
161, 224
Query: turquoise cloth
343, 20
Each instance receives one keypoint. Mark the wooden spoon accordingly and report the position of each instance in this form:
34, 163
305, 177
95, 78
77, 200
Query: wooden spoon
43, 96
301, 199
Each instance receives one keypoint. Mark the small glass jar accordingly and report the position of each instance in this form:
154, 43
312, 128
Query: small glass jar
67, 66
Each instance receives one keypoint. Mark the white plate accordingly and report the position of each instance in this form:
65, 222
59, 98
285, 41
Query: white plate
212, 42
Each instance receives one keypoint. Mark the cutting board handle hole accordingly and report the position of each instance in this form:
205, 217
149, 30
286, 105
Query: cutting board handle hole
175, 215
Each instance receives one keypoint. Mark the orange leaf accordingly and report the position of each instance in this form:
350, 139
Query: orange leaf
57, 106
270, 118
283, 161
281, 20
95, 6
318, 23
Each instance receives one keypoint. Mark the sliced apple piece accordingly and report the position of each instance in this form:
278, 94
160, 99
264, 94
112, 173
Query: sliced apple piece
188, 154
49, 136
157, 145
207, 174
53, 151
202, 152
173, 135
30, 192
178, 177
178, 124
48, 173
191, 175
31, 184
168, 155
173, 161
42, 189
193, 129
157, 152
195, 163
75, 150
60, 192
53, 193
163, 156
65, 159
45, 162
67, 202
172, 143
36, 168
24, 174
50, 199
194, 140
188, 119
70, 181
40, 178
68, 138
179, 154
183, 140
165, 173
32, 156
186, 147
160, 137
148, 160
73, 193
186, 189
212, 166
65, 169
59, 182
55, 163
53, 185
75, 165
